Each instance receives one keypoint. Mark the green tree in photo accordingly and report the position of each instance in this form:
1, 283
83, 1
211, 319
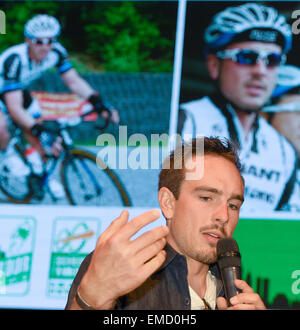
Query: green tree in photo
126, 41
115, 36
17, 15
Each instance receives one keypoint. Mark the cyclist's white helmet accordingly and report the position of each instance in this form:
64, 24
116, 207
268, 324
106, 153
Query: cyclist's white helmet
42, 26
250, 21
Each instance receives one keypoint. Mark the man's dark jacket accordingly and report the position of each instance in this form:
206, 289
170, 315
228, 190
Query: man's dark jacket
166, 289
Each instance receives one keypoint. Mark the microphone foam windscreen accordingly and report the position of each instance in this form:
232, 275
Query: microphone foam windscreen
228, 253
226, 245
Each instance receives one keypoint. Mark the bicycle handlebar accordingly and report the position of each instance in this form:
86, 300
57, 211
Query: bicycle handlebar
106, 123
63, 123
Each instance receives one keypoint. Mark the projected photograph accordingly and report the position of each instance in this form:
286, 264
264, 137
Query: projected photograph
70, 74
240, 80
88, 92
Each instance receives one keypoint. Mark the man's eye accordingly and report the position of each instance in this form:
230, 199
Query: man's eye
205, 198
233, 207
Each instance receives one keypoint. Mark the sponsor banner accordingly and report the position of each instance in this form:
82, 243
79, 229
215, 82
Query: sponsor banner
42, 247
16, 251
73, 239
62, 105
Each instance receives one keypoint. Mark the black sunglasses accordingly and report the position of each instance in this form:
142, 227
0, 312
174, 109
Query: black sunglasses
251, 57
43, 41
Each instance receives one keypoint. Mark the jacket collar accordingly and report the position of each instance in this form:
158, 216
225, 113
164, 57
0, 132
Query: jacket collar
172, 254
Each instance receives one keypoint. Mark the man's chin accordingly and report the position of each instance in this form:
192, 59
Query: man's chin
251, 107
207, 258
249, 110
41, 57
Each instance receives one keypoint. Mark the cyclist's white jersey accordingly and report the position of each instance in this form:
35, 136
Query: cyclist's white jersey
293, 204
17, 71
268, 159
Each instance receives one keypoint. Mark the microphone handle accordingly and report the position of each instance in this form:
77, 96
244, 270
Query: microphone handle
229, 274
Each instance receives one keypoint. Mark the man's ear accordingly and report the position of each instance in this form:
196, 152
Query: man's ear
213, 66
167, 202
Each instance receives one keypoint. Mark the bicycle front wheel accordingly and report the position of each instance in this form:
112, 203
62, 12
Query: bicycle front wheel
16, 187
87, 183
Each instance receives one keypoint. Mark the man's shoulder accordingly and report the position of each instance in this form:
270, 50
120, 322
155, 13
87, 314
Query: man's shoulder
203, 108
202, 117
16, 51
59, 48
197, 105
12, 60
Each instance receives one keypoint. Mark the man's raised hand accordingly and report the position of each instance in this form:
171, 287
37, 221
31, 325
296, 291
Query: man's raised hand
120, 264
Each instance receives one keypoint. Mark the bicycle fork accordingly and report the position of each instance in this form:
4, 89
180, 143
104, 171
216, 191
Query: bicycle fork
39, 183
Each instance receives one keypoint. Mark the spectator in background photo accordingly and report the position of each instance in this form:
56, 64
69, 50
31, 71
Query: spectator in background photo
284, 115
244, 47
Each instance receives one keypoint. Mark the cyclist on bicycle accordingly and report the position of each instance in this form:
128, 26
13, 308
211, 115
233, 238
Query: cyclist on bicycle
244, 47
19, 66
284, 115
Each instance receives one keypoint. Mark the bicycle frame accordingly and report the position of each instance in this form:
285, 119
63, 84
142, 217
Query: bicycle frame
78, 159
68, 146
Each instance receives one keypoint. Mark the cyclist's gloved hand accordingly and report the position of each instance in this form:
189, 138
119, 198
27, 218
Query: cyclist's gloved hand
37, 129
98, 104
104, 109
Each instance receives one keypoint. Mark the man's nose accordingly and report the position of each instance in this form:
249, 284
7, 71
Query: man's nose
46, 47
222, 215
260, 67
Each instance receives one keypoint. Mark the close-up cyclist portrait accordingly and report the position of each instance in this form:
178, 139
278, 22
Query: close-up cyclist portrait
238, 53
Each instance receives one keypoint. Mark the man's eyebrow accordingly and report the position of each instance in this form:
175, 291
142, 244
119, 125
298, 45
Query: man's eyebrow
209, 189
238, 197
218, 192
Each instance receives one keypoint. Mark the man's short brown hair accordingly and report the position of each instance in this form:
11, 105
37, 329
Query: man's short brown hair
172, 173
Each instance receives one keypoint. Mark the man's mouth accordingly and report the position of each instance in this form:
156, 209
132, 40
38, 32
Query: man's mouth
212, 236
255, 89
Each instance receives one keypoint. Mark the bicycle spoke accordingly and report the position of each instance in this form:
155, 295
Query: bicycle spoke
91, 176
82, 183
87, 184
14, 187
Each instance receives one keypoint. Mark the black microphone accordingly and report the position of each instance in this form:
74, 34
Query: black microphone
229, 262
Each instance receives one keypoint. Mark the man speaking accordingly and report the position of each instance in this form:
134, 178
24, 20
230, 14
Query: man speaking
174, 266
